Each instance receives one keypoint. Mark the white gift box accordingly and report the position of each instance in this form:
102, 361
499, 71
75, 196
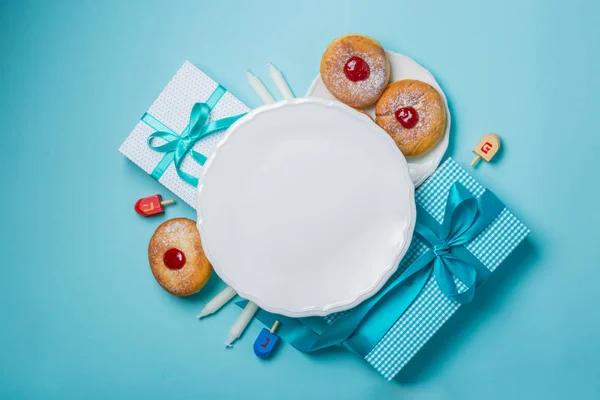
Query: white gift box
172, 109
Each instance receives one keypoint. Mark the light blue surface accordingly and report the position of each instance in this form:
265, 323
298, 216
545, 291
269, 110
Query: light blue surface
81, 314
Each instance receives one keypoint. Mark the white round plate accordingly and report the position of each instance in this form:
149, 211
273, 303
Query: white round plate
305, 207
403, 67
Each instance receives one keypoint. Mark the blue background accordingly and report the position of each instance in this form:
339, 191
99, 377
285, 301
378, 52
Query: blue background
81, 314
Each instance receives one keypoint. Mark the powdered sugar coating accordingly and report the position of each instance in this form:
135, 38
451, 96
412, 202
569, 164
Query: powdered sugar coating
180, 233
360, 93
430, 108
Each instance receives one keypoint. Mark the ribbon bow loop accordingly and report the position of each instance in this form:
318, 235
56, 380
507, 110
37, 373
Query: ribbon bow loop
171, 140
461, 212
198, 120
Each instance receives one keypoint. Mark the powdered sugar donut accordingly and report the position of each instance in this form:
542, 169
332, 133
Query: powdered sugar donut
355, 69
177, 259
413, 113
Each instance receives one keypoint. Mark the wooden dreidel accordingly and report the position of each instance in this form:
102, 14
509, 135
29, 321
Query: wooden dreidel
486, 148
266, 341
151, 205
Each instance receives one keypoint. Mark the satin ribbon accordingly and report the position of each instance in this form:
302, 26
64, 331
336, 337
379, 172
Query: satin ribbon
177, 146
361, 328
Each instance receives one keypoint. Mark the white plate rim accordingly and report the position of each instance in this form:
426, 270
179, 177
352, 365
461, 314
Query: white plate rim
354, 300
435, 155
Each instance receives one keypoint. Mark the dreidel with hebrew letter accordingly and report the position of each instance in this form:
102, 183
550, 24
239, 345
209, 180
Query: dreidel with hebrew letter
486, 148
266, 341
151, 205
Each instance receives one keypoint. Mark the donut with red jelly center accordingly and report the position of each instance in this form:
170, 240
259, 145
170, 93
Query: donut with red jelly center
177, 259
355, 70
414, 114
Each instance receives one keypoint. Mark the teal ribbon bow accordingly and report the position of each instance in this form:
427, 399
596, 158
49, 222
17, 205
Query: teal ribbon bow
177, 146
447, 258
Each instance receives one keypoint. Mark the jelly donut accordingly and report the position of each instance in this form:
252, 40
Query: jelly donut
355, 69
176, 257
413, 113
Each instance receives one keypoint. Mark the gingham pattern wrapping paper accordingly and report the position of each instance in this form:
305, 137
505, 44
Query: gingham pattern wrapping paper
432, 309
172, 108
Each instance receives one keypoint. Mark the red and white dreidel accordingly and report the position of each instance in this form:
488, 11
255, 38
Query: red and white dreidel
486, 148
151, 205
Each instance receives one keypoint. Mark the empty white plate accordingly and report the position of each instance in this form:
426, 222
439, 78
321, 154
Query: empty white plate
306, 207
404, 67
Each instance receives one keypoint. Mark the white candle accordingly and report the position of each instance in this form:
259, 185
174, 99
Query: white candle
280, 82
241, 323
260, 89
217, 302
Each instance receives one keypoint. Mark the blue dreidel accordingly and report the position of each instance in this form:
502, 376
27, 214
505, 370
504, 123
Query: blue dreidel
266, 341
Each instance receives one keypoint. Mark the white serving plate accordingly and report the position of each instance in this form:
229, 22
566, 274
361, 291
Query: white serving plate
306, 207
403, 67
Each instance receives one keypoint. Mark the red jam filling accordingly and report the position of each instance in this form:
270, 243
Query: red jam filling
356, 69
174, 258
407, 116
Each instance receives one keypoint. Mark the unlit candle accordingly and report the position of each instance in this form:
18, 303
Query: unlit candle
280, 82
260, 89
217, 302
241, 323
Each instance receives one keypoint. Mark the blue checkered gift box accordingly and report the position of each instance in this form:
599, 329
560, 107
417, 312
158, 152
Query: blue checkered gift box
407, 320
432, 308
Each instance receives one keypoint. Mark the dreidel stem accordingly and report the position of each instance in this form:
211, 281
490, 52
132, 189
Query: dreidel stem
475, 161
274, 327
